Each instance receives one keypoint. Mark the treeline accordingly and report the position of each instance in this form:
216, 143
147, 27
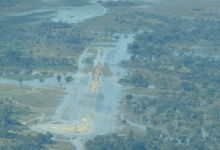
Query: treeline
135, 79
202, 71
9, 3
115, 142
54, 25
18, 59
119, 3
21, 46
152, 43
150, 140
10, 129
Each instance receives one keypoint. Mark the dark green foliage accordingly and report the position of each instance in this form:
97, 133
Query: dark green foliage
69, 79
115, 142
186, 86
186, 107
58, 78
135, 79
177, 31
120, 3
18, 43
9, 3
77, 39
17, 59
151, 140
55, 25
128, 96
8, 125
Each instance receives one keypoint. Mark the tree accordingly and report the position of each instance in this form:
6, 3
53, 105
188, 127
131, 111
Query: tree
58, 78
69, 79
129, 96
136, 78
41, 80
20, 81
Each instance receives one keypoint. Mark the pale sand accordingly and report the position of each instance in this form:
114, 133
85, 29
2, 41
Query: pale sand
78, 128
95, 74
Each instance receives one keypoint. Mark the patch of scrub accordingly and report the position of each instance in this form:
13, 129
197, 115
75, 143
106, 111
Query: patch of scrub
92, 50
88, 68
106, 71
25, 76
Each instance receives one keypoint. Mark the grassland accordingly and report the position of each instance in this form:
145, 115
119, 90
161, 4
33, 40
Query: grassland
88, 68
106, 71
25, 76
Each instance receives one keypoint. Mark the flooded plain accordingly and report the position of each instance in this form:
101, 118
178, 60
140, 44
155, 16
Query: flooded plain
53, 10
81, 114
79, 104
87, 113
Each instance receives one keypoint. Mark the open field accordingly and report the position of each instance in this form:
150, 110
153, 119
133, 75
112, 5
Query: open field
25, 76
43, 99
106, 71
183, 104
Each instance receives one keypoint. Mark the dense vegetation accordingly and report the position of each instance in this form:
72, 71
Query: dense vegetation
186, 107
149, 140
10, 130
9, 3
119, 3
184, 111
40, 47
115, 142
135, 79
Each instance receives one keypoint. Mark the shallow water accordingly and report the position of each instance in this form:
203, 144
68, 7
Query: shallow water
80, 103
54, 10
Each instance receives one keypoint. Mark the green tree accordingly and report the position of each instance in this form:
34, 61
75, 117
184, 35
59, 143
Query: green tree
129, 96
58, 78
20, 81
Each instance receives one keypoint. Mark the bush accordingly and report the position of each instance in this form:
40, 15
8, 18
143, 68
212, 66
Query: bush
69, 79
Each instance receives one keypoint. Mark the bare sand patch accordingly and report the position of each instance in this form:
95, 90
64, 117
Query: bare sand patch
82, 127
96, 73
76, 129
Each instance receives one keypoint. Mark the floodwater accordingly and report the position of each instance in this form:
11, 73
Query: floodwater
53, 10
80, 103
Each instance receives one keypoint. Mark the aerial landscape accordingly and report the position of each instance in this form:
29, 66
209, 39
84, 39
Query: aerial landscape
109, 75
